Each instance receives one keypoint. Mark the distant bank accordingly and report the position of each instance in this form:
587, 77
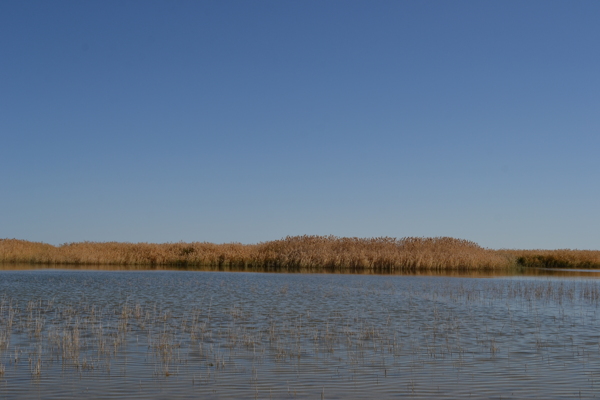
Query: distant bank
292, 253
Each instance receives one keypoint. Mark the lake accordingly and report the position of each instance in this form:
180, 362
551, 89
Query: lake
107, 334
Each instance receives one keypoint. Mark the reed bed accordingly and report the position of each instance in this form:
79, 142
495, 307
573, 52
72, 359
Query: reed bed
301, 253
579, 259
291, 253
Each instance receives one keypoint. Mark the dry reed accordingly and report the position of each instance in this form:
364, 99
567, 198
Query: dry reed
580, 259
300, 253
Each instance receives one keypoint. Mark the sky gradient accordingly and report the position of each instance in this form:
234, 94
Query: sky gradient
246, 121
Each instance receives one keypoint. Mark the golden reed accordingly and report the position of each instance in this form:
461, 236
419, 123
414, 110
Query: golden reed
301, 253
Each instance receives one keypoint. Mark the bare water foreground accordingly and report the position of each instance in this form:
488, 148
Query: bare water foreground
217, 335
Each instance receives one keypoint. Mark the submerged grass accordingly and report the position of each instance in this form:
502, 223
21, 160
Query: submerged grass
283, 337
301, 253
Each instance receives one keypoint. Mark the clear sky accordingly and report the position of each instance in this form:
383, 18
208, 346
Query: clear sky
247, 121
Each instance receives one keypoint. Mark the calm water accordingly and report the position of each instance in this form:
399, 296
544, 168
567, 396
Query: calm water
219, 335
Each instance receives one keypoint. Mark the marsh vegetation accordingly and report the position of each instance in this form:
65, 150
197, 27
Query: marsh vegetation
177, 334
301, 253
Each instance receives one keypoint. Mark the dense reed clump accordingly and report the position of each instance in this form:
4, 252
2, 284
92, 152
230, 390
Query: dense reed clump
300, 253
382, 253
114, 253
580, 259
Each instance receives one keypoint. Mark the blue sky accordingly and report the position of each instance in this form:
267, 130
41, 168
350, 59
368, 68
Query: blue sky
246, 121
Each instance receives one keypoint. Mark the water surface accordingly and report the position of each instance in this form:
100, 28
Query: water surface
196, 334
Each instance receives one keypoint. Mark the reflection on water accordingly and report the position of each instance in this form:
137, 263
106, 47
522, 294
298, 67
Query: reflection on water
199, 334
515, 272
